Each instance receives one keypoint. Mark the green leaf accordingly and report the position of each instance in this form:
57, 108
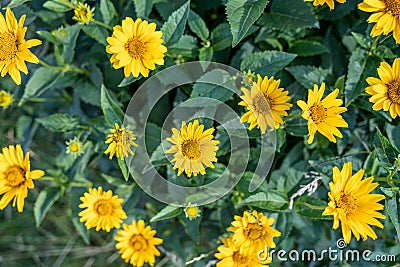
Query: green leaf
198, 26
168, 212
16, 3
385, 151
60, 122
112, 112
96, 32
124, 168
266, 63
241, 16
186, 47
308, 75
361, 39
355, 70
143, 8
108, 12
74, 201
44, 202
307, 48
272, 200
206, 53
57, 6
128, 80
392, 211
153, 136
289, 14
202, 88
43, 79
48, 36
157, 159
174, 27
221, 37
310, 207
383, 52
69, 42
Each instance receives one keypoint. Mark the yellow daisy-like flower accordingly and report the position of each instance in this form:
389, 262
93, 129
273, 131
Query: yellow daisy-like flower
101, 209
5, 99
136, 46
83, 13
330, 3
386, 14
74, 147
385, 92
352, 204
16, 176
194, 149
229, 256
120, 140
323, 115
137, 245
192, 211
265, 91
253, 233
14, 49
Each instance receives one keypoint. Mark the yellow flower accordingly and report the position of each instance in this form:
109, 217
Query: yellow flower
136, 46
120, 140
352, 204
229, 256
136, 243
386, 14
5, 99
83, 13
265, 91
194, 149
16, 176
323, 115
14, 49
253, 232
74, 147
192, 211
101, 209
330, 3
386, 90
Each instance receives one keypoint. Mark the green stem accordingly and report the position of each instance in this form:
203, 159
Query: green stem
68, 4
293, 116
311, 206
65, 68
102, 24
374, 44
385, 179
44, 64
44, 100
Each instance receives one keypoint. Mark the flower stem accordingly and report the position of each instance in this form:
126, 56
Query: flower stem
102, 24
293, 116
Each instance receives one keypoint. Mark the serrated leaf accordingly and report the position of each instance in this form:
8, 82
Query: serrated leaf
57, 6
307, 48
272, 200
43, 79
206, 53
186, 47
69, 42
361, 40
289, 14
112, 112
221, 37
108, 11
60, 122
44, 202
308, 75
241, 16
392, 212
96, 32
128, 80
310, 207
384, 149
198, 26
355, 70
143, 8
16, 3
266, 63
123, 168
174, 27
168, 212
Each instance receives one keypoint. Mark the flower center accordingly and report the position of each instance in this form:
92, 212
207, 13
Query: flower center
8, 46
74, 148
254, 231
239, 260
393, 91
135, 48
346, 202
103, 207
392, 7
318, 113
138, 243
192, 211
259, 103
191, 149
15, 176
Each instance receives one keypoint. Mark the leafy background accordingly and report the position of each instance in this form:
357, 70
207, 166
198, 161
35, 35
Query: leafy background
76, 92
